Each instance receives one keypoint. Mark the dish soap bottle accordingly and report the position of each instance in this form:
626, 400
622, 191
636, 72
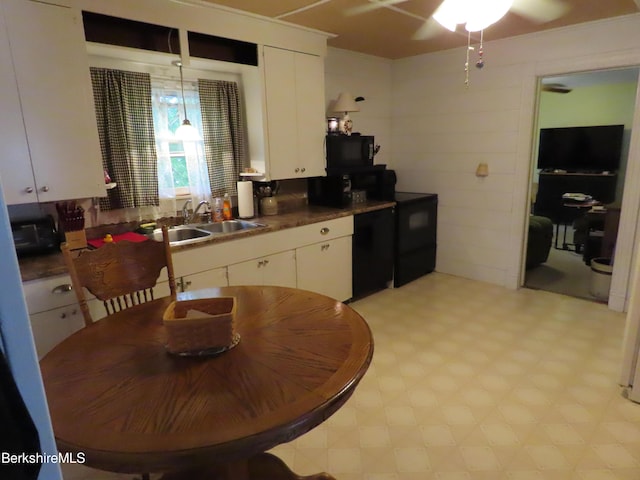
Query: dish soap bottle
226, 207
217, 209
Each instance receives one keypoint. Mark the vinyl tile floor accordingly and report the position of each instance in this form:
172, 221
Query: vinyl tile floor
471, 381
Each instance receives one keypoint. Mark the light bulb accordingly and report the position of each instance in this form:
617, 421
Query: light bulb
187, 132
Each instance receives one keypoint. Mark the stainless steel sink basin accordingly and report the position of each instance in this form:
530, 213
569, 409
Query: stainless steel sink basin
193, 233
228, 226
181, 234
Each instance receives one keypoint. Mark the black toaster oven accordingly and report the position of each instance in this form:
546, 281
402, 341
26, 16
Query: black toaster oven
35, 235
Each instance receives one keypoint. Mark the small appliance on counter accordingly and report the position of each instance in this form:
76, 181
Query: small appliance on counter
352, 187
331, 191
350, 151
36, 235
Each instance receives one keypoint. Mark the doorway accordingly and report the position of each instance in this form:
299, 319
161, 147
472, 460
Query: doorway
595, 98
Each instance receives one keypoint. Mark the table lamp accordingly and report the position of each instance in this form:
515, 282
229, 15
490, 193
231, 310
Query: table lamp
345, 104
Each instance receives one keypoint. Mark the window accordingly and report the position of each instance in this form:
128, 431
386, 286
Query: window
140, 149
182, 167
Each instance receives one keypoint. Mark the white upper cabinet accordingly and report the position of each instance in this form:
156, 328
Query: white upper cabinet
294, 97
49, 140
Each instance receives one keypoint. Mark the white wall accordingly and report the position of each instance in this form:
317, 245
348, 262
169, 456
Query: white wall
605, 104
363, 76
441, 130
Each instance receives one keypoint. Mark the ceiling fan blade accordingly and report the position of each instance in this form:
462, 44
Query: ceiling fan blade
372, 5
540, 11
429, 29
556, 88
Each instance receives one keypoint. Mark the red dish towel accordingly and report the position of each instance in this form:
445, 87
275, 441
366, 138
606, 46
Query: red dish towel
130, 236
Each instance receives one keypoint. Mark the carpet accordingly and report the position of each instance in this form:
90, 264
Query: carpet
564, 272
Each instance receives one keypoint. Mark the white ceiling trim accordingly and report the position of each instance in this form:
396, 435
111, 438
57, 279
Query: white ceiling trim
302, 9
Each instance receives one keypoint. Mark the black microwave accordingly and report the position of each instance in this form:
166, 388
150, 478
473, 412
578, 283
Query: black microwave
350, 151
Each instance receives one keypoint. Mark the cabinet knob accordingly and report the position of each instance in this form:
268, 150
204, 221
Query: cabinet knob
64, 288
29, 189
324, 230
325, 247
302, 169
45, 188
297, 170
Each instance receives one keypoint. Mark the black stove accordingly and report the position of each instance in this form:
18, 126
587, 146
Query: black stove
416, 221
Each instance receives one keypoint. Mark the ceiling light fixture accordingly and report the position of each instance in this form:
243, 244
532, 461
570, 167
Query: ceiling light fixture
186, 131
475, 15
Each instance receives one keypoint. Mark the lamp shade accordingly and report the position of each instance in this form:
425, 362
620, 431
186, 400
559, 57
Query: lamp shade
345, 103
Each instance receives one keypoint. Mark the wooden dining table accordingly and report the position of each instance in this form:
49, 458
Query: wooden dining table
117, 395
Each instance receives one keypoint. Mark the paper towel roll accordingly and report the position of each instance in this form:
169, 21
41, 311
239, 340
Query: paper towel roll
245, 199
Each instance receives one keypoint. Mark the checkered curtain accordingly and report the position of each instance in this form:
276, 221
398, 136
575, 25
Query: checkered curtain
127, 140
223, 133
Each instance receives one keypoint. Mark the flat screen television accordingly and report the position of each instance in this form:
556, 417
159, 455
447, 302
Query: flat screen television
595, 148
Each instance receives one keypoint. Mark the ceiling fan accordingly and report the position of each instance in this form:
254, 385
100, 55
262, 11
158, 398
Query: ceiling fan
538, 11
555, 88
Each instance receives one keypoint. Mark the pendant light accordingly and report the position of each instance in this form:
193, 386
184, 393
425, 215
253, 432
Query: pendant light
186, 131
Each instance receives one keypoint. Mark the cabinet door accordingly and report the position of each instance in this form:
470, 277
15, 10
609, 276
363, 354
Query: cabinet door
52, 71
51, 327
15, 167
278, 269
211, 278
282, 126
310, 114
294, 92
326, 268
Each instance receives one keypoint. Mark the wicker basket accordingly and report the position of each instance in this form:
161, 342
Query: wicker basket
201, 326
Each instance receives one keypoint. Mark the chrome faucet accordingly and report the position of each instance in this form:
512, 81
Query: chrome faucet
195, 210
185, 212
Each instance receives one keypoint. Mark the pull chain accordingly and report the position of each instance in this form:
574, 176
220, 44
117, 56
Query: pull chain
466, 63
480, 62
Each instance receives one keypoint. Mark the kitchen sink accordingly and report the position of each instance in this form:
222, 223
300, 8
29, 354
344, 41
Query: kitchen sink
193, 233
180, 235
228, 226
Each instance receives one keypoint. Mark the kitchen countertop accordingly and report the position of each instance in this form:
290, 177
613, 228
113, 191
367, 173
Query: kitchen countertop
42, 266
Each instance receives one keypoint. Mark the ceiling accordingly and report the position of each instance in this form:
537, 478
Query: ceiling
402, 28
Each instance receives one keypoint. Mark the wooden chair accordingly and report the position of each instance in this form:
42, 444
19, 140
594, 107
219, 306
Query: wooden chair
120, 274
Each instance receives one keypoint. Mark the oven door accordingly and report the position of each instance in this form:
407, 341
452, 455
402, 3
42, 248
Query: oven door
416, 222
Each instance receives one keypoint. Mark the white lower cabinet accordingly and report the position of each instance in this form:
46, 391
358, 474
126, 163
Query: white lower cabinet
53, 310
315, 257
278, 269
51, 327
216, 277
325, 268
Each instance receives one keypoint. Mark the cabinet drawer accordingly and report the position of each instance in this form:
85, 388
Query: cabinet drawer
49, 293
323, 231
